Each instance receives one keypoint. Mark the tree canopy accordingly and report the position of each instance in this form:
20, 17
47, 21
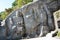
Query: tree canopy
15, 5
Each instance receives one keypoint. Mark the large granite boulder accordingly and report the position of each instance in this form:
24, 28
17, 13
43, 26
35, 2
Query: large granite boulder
32, 20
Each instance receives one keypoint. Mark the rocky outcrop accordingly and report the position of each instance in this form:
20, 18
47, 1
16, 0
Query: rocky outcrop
32, 20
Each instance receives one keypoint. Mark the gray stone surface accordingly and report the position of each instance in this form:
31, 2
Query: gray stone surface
35, 18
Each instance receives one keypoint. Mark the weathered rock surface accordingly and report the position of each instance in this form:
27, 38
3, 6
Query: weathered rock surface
33, 19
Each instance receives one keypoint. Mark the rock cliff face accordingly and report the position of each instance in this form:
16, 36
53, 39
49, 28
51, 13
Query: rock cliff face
32, 20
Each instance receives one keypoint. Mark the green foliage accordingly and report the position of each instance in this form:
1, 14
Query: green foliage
8, 10
27, 1
58, 34
15, 5
3, 15
0, 15
19, 3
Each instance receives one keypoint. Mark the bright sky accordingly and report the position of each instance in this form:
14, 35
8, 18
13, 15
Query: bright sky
5, 4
